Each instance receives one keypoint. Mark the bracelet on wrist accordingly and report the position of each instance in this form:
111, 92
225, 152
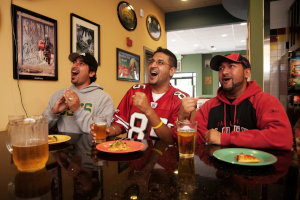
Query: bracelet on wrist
158, 126
157, 151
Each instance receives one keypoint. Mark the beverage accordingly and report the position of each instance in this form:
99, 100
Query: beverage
31, 157
186, 142
100, 130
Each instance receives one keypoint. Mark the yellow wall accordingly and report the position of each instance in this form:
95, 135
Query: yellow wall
112, 35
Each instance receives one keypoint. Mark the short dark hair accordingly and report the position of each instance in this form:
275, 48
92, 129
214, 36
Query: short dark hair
172, 57
93, 78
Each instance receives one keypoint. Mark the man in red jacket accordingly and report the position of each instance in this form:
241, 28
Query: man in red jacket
241, 114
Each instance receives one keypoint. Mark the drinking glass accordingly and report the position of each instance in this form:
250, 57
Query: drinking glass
28, 142
100, 123
186, 135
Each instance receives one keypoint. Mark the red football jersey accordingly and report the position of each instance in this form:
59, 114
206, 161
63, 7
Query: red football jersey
135, 123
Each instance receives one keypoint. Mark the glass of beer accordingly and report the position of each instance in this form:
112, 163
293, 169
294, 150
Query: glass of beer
100, 124
28, 141
186, 135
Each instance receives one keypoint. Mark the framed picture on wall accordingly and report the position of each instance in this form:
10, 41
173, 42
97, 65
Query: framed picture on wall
85, 36
34, 45
128, 66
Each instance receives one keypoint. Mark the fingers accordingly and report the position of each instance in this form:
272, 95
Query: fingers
70, 95
189, 104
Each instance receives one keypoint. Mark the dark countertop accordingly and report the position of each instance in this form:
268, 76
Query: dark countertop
76, 170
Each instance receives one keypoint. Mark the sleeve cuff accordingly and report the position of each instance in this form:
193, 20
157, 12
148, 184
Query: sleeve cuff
225, 139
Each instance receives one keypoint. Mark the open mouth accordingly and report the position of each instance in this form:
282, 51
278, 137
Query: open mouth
226, 79
153, 73
74, 73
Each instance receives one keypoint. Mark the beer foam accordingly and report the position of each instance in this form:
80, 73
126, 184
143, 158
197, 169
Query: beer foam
100, 123
29, 120
186, 129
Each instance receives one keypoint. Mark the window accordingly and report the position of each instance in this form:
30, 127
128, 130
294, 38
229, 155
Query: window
186, 82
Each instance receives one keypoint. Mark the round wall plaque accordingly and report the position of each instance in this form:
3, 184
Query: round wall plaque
127, 16
153, 27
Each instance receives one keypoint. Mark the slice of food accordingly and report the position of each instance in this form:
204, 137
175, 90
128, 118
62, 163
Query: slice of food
52, 138
246, 158
119, 146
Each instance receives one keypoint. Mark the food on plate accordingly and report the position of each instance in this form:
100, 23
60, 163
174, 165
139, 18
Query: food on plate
52, 138
118, 146
246, 158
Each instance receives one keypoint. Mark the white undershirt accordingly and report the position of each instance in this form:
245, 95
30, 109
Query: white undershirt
157, 96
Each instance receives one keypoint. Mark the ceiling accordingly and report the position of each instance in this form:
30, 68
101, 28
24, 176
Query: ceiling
178, 5
207, 40
230, 37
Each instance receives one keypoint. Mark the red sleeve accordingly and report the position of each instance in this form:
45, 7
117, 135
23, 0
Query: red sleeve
201, 117
122, 114
274, 129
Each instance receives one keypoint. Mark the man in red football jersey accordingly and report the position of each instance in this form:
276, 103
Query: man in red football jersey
149, 111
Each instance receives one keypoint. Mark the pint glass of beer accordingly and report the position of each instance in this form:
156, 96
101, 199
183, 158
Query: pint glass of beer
186, 135
100, 124
28, 139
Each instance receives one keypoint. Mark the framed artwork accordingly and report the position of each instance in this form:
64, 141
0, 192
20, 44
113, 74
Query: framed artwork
34, 45
128, 66
153, 27
85, 36
127, 16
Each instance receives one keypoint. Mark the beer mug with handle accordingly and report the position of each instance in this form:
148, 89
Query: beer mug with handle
28, 142
11, 118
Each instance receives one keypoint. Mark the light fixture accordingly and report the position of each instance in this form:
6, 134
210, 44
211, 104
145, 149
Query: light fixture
184, 0
243, 23
224, 35
196, 45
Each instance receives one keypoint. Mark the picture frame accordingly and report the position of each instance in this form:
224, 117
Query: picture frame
153, 27
127, 16
34, 45
128, 66
85, 36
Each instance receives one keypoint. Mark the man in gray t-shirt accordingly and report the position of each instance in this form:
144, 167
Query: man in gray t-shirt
71, 109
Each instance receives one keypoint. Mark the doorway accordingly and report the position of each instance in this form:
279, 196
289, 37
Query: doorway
148, 53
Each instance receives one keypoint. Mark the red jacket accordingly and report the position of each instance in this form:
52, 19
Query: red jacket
255, 119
